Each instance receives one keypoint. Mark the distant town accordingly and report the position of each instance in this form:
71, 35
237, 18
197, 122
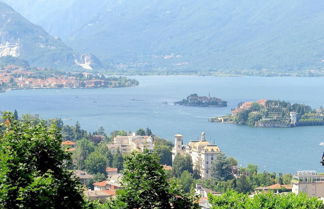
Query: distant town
14, 77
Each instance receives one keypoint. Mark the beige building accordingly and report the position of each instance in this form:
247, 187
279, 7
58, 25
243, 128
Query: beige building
128, 144
111, 171
309, 182
83, 176
202, 153
100, 195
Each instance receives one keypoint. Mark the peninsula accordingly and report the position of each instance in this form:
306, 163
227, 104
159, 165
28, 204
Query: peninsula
13, 78
202, 101
273, 114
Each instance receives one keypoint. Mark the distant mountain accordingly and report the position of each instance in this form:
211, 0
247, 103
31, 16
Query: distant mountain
190, 35
25, 43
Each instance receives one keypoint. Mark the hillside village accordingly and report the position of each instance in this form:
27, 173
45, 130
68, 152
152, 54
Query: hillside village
202, 154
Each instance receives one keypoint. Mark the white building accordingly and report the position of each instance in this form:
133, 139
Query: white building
308, 182
128, 144
293, 118
202, 153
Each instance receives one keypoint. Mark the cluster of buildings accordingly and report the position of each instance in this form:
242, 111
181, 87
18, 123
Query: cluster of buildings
247, 105
202, 154
15, 77
133, 142
101, 190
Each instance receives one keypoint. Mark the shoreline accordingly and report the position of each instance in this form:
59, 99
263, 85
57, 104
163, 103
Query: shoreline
220, 74
20, 89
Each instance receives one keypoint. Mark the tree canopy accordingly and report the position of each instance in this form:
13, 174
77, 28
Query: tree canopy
221, 168
182, 163
146, 186
234, 200
34, 169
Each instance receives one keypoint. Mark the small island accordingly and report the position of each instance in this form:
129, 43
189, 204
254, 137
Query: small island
202, 101
273, 114
14, 78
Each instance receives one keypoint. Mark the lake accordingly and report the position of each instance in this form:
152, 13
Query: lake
151, 105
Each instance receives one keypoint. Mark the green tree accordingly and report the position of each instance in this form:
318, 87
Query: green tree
232, 161
286, 179
101, 131
229, 200
165, 154
105, 152
148, 132
186, 181
243, 185
58, 122
77, 131
96, 163
118, 160
234, 200
181, 163
16, 116
221, 168
118, 133
84, 148
140, 132
33, 167
146, 186
251, 169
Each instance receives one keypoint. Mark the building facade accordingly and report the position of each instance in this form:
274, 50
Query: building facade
309, 182
128, 144
202, 153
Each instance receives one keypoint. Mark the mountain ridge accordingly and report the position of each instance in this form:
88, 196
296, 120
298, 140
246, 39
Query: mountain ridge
26, 41
195, 35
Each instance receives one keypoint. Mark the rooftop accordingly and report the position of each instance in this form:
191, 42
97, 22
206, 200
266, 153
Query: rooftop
111, 169
100, 184
275, 187
82, 174
68, 143
167, 167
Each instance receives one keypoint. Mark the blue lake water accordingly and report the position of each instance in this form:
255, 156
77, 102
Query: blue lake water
151, 105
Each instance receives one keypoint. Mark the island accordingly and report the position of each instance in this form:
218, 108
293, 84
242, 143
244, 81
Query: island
273, 114
14, 78
202, 101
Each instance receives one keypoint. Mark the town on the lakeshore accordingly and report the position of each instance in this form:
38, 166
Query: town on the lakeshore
14, 77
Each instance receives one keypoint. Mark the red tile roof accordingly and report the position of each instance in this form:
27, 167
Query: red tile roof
111, 169
100, 184
167, 167
68, 143
71, 150
110, 192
